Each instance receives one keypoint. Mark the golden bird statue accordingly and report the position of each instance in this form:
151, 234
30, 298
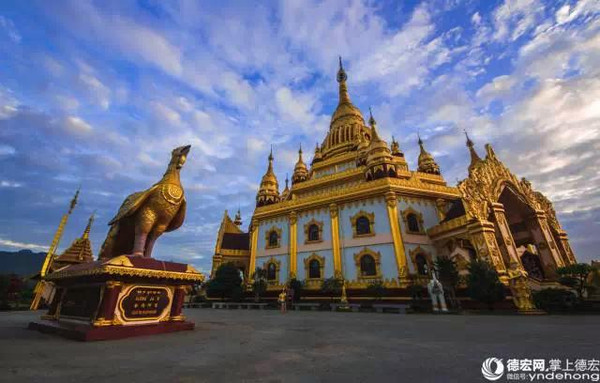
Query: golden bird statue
144, 216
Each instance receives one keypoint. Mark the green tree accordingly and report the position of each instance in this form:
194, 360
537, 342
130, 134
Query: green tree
376, 289
298, 287
259, 283
447, 273
226, 282
483, 284
575, 276
332, 287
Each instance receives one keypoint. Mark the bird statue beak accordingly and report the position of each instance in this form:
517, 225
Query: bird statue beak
186, 149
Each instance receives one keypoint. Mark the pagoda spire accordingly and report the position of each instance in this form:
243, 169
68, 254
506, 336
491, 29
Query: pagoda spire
426, 163
51, 252
88, 228
474, 156
300, 170
341, 78
268, 192
238, 218
373, 125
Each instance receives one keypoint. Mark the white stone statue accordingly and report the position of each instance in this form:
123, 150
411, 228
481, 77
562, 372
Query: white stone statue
436, 292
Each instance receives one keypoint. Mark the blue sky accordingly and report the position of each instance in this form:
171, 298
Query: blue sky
97, 94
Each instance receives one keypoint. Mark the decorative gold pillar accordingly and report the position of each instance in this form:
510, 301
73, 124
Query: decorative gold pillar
569, 257
293, 243
543, 236
506, 239
392, 209
483, 237
253, 246
335, 240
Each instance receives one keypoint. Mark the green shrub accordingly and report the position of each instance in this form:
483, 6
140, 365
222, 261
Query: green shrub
554, 299
483, 284
376, 289
226, 283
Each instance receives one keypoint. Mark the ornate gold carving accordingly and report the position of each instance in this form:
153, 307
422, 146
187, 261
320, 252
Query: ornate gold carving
391, 199
411, 186
447, 226
121, 260
307, 261
486, 181
293, 217
126, 271
307, 226
333, 210
370, 217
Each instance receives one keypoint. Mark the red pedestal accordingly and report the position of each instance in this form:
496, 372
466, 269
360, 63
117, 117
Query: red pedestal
123, 297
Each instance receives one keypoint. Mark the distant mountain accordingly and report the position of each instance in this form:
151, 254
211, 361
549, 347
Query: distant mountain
24, 262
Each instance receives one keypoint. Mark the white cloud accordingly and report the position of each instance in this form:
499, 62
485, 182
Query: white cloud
10, 184
10, 29
22, 245
77, 125
514, 18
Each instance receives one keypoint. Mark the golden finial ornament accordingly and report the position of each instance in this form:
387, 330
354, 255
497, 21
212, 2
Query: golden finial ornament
474, 156
426, 163
300, 170
268, 192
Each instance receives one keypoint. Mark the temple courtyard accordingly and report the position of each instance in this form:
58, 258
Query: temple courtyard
235, 345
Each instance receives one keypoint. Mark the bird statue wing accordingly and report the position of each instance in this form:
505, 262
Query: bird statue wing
132, 203
177, 221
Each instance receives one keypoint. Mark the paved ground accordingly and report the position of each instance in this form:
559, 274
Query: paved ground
232, 346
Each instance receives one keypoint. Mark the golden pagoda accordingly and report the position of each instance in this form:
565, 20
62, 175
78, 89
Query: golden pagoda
80, 250
359, 213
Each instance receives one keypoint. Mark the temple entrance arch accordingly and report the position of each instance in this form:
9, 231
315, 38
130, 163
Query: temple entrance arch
519, 229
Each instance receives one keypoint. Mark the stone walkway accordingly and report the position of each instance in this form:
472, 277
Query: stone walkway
236, 345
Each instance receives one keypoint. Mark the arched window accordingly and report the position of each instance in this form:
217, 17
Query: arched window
313, 232
314, 269
422, 266
367, 266
413, 223
273, 239
271, 272
363, 226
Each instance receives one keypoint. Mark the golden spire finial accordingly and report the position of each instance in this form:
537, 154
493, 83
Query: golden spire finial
74, 200
341, 78
270, 168
474, 156
238, 218
373, 124
88, 228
